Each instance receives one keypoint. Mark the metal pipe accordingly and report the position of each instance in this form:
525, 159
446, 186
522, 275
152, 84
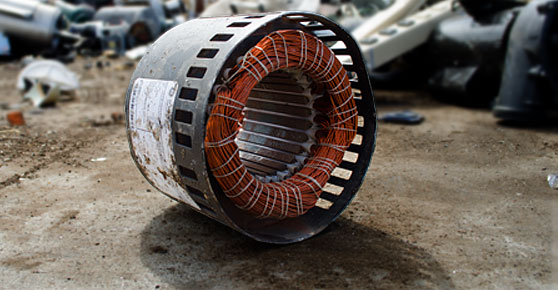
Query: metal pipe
30, 20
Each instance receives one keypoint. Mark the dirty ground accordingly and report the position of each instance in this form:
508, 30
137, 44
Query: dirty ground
458, 201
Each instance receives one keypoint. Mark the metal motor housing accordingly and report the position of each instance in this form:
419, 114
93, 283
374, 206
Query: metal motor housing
30, 20
144, 24
183, 66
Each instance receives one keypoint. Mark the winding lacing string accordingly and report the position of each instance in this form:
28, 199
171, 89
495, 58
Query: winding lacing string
285, 49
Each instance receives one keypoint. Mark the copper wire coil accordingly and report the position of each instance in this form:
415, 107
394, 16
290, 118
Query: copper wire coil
294, 196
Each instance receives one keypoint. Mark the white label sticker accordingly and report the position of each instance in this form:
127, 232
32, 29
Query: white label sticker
150, 113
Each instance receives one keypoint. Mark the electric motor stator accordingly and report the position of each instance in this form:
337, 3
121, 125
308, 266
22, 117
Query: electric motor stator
254, 121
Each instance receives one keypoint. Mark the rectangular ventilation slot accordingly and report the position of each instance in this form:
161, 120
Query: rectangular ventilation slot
332, 38
350, 157
221, 37
198, 196
184, 140
355, 84
188, 94
328, 196
187, 173
333, 189
348, 165
349, 67
196, 72
196, 192
299, 18
324, 204
341, 51
342, 173
207, 210
254, 16
337, 181
324, 33
340, 45
346, 61
238, 24
314, 26
183, 116
208, 53
354, 148
360, 121
357, 140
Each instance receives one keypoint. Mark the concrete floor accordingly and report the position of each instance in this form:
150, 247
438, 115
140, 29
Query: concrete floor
459, 201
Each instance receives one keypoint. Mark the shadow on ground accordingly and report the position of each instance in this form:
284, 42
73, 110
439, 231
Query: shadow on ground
544, 126
188, 250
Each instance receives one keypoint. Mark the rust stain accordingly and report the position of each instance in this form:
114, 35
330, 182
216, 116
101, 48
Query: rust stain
164, 173
142, 169
69, 215
22, 263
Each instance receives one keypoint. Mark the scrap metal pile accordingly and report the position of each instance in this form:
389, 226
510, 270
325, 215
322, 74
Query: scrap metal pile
60, 28
495, 53
483, 53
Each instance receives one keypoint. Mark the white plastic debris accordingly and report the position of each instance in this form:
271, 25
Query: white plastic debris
137, 52
42, 95
48, 72
100, 159
553, 181
42, 81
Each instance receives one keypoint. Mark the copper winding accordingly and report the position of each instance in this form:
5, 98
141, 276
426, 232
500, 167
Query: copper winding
294, 196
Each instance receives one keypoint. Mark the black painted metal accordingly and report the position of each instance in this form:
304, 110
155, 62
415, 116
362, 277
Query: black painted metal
529, 89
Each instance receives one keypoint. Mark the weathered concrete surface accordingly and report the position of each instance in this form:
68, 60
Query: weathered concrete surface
456, 202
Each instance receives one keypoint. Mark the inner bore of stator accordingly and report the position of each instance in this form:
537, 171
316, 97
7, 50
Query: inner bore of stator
278, 127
